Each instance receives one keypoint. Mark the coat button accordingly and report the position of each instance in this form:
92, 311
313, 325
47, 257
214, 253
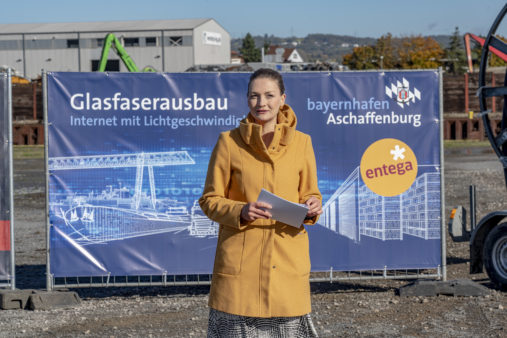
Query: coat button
274, 266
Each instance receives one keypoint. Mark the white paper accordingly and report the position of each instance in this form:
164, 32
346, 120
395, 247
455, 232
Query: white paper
282, 210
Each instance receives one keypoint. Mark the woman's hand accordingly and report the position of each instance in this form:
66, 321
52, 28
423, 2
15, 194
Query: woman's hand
314, 206
255, 210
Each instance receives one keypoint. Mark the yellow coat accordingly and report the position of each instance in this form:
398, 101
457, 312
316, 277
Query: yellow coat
262, 267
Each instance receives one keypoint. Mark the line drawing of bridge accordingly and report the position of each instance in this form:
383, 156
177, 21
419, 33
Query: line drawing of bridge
353, 210
115, 214
137, 160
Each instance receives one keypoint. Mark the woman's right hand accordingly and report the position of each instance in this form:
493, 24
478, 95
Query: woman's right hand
255, 210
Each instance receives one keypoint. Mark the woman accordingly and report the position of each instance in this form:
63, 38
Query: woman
260, 283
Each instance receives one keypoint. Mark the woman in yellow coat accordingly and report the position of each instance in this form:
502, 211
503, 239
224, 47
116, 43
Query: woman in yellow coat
260, 281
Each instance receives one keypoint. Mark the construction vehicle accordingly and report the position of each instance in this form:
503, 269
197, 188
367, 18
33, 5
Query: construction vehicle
112, 41
488, 240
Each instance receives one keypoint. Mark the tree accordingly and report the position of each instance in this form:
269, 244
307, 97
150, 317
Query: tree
455, 55
361, 58
248, 51
385, 50
420, 53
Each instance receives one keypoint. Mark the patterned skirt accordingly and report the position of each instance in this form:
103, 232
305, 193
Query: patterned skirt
225, 325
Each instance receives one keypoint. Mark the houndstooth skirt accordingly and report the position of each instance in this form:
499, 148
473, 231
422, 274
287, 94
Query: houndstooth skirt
225, 325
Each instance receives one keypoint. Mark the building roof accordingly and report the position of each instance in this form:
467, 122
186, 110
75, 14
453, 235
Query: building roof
286, 51
101, 26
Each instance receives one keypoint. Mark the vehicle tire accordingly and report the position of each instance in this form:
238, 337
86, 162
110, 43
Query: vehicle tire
495, 255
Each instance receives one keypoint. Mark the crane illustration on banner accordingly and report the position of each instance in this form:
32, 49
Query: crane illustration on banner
115, 214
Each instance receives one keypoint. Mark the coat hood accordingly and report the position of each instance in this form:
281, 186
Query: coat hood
251, 132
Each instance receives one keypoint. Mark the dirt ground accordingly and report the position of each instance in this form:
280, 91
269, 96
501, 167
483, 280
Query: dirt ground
340, 309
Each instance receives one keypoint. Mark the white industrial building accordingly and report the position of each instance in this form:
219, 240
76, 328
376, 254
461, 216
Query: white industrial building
165, 45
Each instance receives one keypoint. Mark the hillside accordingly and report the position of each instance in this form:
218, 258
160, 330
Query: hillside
322, 47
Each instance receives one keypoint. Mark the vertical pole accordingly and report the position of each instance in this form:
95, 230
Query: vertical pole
79, 51
493, 101
467, 104
49, 285
24, 54
162, 45
34, 99
11, 177
472, 207
443, 232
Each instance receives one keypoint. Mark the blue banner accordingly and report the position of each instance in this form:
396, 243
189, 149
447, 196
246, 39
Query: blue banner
128, 155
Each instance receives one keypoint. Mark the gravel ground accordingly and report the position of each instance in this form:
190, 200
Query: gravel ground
340, 309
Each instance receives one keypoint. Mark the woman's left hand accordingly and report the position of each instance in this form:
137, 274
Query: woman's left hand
314, 206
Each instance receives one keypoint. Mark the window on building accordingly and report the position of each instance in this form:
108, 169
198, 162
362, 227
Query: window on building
464, 130
72, 43
131, 42
100, 42
175, 40
453, 131
151, 41
11, 44
111, 65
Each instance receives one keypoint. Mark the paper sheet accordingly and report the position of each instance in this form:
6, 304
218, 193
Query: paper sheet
282, 210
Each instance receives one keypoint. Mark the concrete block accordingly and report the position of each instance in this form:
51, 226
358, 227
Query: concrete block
53, 299
463, 287
419, 288
14, 299
457, 287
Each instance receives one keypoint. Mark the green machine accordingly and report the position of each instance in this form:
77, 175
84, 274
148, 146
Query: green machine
112, 41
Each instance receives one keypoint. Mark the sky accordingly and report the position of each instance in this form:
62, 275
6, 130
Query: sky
367, 18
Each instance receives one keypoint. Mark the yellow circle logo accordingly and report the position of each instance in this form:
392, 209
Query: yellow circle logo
388, 167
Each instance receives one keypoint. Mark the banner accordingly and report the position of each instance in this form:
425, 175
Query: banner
128, 155
5, 180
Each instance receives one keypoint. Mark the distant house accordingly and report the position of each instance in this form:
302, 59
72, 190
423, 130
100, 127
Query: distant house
280, 54
236, 58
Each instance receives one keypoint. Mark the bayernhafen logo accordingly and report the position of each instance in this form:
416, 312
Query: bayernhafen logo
401, 93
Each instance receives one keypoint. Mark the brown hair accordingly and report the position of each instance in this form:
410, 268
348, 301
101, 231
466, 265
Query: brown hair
270, 74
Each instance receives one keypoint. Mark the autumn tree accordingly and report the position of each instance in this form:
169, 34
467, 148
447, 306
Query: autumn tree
248, 51
390, 53
361, 58
385, 50
382, 55
420, 53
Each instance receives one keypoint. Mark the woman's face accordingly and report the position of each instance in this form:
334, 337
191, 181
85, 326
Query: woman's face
264, 100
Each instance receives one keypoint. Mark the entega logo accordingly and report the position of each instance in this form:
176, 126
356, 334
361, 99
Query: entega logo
388, 167
401, 93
